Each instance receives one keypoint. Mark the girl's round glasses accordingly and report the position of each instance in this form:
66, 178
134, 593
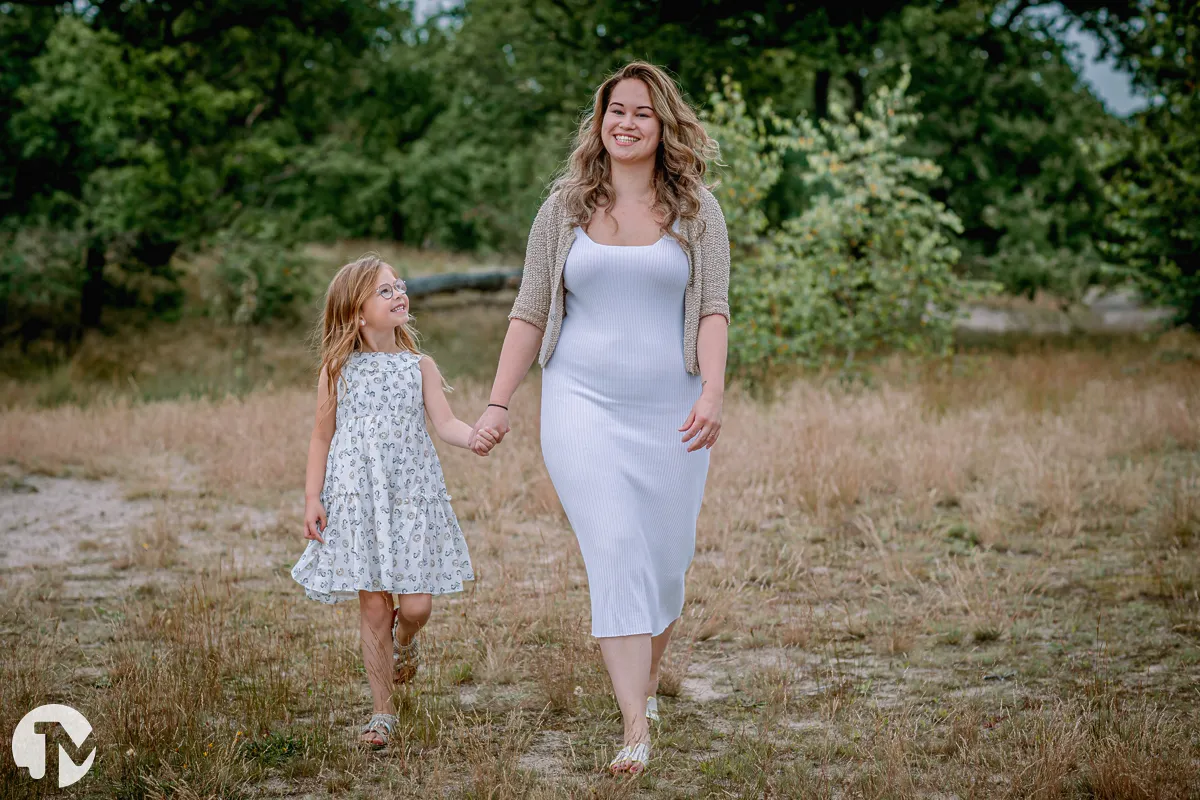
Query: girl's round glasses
395, 290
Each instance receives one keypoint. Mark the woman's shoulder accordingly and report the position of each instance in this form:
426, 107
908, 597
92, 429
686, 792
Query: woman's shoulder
710, 208
709, 217
552, 206
548, 224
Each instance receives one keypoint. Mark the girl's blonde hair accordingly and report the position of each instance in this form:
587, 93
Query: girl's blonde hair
339, 332
684, 149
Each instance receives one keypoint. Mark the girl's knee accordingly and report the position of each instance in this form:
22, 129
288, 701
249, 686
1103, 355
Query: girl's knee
375, 605
416, 607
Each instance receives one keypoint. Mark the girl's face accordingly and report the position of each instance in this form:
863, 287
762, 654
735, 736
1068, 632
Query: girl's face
387, 307
630, 129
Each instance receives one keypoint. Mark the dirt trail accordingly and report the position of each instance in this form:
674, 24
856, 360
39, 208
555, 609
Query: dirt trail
95, 541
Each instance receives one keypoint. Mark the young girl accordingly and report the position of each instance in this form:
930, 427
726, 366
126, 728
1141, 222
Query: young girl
376, 507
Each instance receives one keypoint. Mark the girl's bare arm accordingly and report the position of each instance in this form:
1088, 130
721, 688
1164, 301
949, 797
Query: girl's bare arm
450, 429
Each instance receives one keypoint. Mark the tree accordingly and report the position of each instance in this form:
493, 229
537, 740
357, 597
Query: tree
866, 268
1154, 174
137, 129
144, 126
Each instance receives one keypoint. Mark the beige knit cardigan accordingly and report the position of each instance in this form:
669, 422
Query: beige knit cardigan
540, 299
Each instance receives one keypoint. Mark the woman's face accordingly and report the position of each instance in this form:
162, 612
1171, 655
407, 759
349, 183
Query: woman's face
630, 129
380, 312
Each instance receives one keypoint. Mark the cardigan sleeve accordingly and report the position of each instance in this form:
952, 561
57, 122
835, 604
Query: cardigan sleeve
714, 245
533, 298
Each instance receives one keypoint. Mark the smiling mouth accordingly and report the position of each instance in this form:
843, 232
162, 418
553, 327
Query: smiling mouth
399, 307
623, 139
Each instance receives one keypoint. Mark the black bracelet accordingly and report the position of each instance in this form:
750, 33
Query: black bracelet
497, 405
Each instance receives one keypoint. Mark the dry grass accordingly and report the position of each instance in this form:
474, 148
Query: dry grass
974, 580
205, 359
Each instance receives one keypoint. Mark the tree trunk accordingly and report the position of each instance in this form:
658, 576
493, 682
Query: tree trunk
91, 297
857, 90
1191, 274
821, 94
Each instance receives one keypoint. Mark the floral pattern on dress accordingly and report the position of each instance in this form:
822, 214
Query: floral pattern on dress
390, 524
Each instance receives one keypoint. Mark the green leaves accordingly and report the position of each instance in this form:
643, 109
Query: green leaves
259, 274
146, 128
1152, 174
138, 128
866, 268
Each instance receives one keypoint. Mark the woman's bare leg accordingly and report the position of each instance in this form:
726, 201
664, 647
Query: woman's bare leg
658, 647
628, 661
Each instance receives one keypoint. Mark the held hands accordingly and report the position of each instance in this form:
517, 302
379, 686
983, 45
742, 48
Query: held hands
315, 520
493, 423
703, 424
481, 443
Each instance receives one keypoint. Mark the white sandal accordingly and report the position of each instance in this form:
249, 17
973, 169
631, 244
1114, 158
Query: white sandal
381, 725
622, 757
652, 709
639, 756
627, 757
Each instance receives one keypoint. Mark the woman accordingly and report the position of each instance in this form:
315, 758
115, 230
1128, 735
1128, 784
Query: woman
626, 286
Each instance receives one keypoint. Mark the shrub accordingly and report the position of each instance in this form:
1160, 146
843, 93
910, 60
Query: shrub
866, 268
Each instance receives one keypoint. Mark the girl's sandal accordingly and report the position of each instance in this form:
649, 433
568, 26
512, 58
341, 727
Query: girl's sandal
406, 658
652, 709
382, 726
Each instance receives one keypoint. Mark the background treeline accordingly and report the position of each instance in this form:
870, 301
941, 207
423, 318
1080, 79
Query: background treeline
138, 136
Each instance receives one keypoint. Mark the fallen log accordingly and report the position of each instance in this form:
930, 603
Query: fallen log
493, 281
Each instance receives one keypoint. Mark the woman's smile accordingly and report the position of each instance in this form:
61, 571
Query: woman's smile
630, 129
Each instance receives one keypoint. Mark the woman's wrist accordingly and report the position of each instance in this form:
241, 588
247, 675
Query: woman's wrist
712, 388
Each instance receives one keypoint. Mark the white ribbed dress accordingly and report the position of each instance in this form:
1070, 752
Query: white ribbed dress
614, 395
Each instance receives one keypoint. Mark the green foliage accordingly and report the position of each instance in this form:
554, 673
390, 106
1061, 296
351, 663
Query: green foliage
869, 265
144, 129
1032, 253
1002, 109
261, 272
1153, 174
1154, 212
39, 283
115, 116
137, 130
751, 161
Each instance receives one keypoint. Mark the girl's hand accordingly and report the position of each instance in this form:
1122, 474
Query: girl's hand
484, 441
314, 520
704, 422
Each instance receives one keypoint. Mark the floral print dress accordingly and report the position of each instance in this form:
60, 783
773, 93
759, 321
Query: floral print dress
390, 524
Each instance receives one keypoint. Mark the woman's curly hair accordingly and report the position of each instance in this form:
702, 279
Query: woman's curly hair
684, 150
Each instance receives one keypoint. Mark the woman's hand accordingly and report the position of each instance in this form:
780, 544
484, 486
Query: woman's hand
494, 419
315, 520
704, 422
